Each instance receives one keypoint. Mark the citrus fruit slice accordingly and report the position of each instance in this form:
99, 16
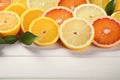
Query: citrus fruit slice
101, 3
89, 12
59, 14
17, 8
46, 29
42, 4
72, 4
116, 15
9, 23
107, 32
4, 4
117, 8
24, 2
76, 33
28, 16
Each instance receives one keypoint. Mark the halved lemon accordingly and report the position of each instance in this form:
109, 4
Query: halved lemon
28, 16
116, 15
101, 3
9, 23
46, 29
42, 4
76, 33
17, 8
89, 12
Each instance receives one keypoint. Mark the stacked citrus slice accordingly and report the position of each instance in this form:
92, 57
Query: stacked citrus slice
59, 14
72, 4
4, 4
28, 16
47, 30
107, 32
89, 12
42, 4
116, 15
9, 23
76, 33
17, 8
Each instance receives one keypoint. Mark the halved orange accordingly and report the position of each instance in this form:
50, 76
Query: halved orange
9, 23
24, 2
72, 4
46, 29
17, 8
59, 14
28, 16
107, 32
4, 4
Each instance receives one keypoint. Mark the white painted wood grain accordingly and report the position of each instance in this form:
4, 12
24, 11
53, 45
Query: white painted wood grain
60, 67
57, 50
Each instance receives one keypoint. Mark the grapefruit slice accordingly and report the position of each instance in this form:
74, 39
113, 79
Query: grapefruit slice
107, 32
59, 14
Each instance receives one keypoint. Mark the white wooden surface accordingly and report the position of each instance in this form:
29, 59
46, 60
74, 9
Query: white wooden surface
20, 62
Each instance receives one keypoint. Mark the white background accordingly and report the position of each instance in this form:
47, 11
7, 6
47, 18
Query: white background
20, 62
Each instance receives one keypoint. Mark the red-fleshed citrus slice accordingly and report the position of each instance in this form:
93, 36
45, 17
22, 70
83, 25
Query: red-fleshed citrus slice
107, 32
59, 14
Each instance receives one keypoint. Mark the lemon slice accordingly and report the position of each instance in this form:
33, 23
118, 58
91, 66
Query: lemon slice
116, 15
76, 33
47, 30
89, 12
42, 4
9, 23
101, 3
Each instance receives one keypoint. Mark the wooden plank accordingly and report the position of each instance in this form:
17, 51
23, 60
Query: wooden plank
60, 67
57, 50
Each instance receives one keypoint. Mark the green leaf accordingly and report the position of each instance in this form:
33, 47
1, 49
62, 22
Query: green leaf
110, 7
2, 41
28, 38
10, 39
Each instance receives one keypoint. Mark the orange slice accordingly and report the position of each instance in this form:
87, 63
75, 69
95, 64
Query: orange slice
4, 4
117, 8
59, 14
47, 30
107, 32
28, 16
9, 23
17, 8
76, 33
24, 2
72, 4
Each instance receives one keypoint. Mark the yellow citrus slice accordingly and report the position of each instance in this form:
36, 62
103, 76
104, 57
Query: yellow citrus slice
59, 14
9, 23
28, 16
116, 15
17, 8
76, 33
47, 30
89, 12
42, 4
117, 8
101, 3
24, 2
107, 32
